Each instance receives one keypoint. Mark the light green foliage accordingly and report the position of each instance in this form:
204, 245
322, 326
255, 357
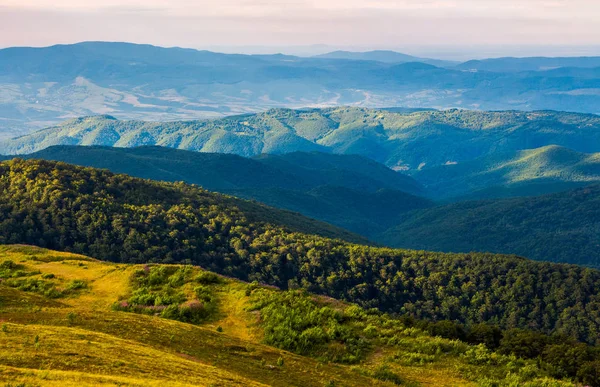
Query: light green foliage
159, 290
394, 139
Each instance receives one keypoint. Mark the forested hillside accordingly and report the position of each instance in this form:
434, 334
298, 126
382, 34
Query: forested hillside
367, 198
516, 173
349, 191
560, 227
403, 141
124, 219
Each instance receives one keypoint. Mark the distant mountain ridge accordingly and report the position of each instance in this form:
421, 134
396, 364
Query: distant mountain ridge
46, 85
509, 64
410, 141
385, 56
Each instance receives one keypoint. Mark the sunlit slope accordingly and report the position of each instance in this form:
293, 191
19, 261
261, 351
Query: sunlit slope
80, 339
95, 334
520, 173
407, 141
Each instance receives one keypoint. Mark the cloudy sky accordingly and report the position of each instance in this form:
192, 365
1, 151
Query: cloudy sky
280, 23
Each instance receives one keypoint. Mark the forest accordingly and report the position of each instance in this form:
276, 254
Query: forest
123, 219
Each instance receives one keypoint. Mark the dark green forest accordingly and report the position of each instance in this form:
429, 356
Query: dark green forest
124, 219
368, 198
560, 227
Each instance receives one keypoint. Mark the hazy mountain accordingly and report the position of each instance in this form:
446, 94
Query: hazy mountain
559, 227
516, 173
40, 87
385, 56
352, 192
529, 64
404, 141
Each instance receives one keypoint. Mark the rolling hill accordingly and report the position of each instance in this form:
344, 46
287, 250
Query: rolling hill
43, 86
348, 191
518, 173
559, 227
403, 141
90, 323
369, 199
127, 220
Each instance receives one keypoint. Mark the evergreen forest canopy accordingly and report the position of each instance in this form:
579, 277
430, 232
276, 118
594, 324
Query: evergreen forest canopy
124, 219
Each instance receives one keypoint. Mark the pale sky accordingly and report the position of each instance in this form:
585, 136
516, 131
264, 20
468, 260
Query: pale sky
281, 23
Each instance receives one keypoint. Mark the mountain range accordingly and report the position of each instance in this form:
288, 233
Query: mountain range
406, 141
177, 217
42, 86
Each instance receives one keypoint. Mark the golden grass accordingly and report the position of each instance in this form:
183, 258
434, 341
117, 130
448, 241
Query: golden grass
43, 347
82, 341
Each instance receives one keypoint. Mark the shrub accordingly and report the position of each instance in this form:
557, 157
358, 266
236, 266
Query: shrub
411, 358
75, 285
487, 334
384, 373
448, 330
589, 373
208, 278
566, 359
522, 343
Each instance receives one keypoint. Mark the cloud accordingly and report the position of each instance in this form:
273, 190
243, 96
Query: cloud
374, 23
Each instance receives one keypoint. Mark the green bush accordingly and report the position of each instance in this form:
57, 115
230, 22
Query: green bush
384, 373
208, 278
158, 290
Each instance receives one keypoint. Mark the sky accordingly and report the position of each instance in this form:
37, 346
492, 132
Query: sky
569, 27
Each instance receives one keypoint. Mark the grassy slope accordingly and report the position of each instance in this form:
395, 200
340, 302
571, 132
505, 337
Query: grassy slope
99, 344
79, 340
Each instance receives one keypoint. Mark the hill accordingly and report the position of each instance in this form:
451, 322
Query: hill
404, 141
219, 171
517, 173
348, 191
366, 197
127, 220
560, 227
383, 56
129, 81
95, 323
529, 64
365, 213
